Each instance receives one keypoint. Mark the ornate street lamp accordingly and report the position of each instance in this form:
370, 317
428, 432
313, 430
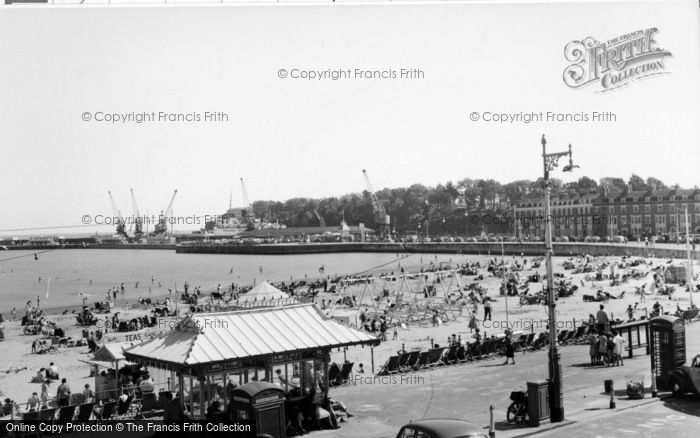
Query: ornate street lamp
556, 396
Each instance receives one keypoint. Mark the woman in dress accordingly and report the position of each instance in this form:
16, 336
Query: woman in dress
510, 350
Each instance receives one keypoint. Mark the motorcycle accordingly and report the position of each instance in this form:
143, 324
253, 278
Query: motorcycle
517, 411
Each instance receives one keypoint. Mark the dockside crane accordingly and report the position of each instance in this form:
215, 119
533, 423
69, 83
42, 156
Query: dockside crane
321, 221
162, 225
121, 226
138, 222
381, 219
247, 212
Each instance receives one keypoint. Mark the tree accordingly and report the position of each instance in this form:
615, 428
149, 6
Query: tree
586, 183
637, 183
655, 183
613, 183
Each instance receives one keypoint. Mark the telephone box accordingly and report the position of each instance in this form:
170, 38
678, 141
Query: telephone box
260, 405
667, 336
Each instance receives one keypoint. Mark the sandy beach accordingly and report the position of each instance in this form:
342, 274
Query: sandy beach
18, 367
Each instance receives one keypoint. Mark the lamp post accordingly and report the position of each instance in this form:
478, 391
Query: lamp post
556, 396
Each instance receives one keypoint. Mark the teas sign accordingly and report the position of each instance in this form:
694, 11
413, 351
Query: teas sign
614, 63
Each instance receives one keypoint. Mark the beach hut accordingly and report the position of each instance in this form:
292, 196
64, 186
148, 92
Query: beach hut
109, 356
210, 352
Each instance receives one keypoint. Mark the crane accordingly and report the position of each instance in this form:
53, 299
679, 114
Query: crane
381, 219
121, 227
247, 212
138, 222
162, 225
321, 221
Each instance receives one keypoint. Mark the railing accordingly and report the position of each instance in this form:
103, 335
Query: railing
75, 399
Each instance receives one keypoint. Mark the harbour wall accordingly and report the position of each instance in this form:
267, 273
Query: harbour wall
481, 248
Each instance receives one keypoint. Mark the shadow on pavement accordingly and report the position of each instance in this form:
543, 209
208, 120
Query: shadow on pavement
689, 405
504, 425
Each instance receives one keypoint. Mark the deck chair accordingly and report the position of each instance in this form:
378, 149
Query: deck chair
390, 367
403, 359
47, 415
124, 407
85, 412
435, 356
451, 356
461, 355
148, 401
66, 414
345, 372
412, 361
30, 416
562, 335
423, 359
108, 410
487, 348
33, 419
334, 375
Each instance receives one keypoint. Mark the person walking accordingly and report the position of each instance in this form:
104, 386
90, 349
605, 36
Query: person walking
487, 309
510, 349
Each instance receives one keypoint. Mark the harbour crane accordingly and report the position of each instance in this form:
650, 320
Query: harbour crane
321, 221
162, 225
121, 226
138, 222
247, 212
381, 219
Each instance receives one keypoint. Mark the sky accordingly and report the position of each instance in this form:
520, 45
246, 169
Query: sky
292, 137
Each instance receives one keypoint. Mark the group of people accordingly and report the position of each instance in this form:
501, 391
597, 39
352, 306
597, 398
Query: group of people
607, 348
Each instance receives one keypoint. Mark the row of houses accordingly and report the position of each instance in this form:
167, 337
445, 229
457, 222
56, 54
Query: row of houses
635, 214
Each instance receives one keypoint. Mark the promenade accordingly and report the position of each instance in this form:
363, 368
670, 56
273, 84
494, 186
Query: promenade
467, 391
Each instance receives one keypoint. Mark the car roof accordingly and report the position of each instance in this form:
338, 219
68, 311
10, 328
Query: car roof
447, 425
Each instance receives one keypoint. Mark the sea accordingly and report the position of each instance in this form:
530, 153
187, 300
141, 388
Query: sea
59, 277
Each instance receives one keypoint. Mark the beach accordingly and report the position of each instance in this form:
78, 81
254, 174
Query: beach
18, 368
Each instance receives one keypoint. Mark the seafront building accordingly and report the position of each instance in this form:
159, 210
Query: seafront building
633, 214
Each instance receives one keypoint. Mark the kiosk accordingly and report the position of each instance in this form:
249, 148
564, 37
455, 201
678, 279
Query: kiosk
260, 405
667, 336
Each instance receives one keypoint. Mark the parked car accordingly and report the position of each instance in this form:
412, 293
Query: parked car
441, 428
686, 378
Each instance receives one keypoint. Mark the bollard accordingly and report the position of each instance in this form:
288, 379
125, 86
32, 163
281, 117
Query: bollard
612, 395
654, 392
492, 428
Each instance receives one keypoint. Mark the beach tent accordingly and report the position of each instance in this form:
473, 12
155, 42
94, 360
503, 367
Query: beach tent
263, 291
108, 356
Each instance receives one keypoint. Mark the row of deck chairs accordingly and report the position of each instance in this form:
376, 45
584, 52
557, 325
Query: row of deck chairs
441, 356
148, 407
340, 375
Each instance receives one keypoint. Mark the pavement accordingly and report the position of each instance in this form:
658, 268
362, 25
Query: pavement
382, 405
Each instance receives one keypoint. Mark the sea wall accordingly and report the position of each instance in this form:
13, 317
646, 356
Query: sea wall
482, 248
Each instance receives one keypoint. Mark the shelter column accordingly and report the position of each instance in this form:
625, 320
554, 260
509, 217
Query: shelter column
181, 389
202, 383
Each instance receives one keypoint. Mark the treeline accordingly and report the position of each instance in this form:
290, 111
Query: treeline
448, 209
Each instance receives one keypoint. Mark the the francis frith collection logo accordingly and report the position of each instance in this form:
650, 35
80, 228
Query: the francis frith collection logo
614, 63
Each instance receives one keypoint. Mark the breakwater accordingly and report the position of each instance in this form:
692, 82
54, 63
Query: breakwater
480, 248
